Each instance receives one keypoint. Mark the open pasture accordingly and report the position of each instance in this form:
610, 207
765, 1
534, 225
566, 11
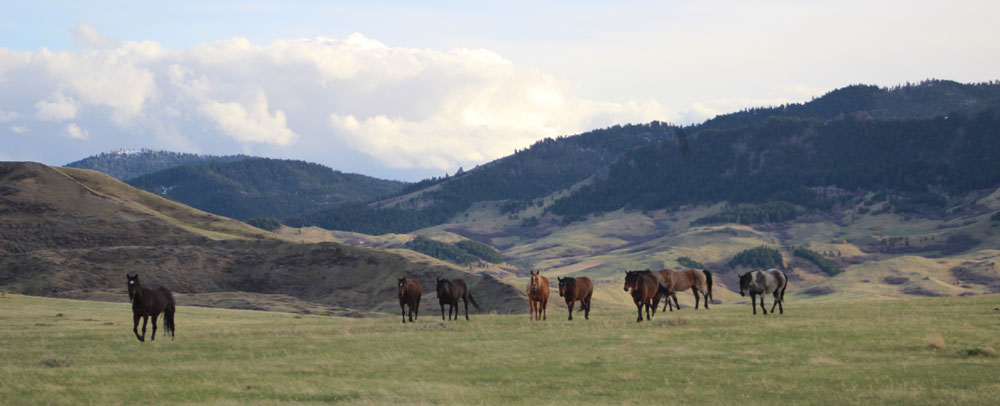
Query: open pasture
907, 351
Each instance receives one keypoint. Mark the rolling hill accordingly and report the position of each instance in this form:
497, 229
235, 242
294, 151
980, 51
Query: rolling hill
131, 163
262, 187
75, 233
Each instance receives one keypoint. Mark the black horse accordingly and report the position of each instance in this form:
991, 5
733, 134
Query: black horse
449, 292
148, 303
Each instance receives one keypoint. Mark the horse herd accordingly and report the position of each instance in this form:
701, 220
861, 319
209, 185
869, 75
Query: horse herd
647, 288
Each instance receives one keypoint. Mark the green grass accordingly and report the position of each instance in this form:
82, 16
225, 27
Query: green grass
912, 351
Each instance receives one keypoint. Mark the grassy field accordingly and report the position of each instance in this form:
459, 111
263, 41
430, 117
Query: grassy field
910, 351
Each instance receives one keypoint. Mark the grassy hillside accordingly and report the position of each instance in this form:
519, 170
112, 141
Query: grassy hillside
914, 351
75, 233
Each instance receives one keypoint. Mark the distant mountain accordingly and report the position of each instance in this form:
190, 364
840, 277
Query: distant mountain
130, 163
262, 187
548, 166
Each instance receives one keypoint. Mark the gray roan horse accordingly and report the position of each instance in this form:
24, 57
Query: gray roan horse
759, 282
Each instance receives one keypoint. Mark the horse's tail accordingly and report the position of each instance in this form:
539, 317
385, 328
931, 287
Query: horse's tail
708, 281
168, 315
473, 300
783, 287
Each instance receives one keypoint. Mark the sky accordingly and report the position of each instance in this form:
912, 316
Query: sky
407, 90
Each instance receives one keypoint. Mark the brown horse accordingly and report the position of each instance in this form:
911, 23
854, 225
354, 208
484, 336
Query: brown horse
449, 292
148, 303
678, 281
538, 295
574, 289
409, 295
645, 291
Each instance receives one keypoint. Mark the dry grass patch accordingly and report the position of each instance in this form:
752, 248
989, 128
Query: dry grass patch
936, 341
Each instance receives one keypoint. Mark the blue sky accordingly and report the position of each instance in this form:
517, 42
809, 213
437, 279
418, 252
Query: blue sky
406, 90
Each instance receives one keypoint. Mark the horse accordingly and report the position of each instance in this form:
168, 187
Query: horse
148, 303
449, 291
409, 295
645, 291
759, 282
677, 281
574, 289
538, 296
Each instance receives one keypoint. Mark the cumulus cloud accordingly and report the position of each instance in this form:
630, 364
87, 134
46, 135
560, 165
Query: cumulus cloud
74, 131
59, 107
321, 99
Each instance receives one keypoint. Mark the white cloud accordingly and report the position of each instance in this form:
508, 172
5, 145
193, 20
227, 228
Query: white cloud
322, 99
87, 35
58, 107
251, 123
19, 129
75, 132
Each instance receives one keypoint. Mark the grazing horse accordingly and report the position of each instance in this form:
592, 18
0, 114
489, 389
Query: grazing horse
574, 289
409, 295
538, 296
677, 281
759, 282
148, 303
645, 291
449, 291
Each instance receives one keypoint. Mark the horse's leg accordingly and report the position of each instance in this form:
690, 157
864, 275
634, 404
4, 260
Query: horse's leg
762, 307
656, 302
442, 311
781, 305
531, 310
586, 313
145, 319
466, 300
648, 305
135, 326
753, 303
416, 309
704, 294
570, 304
638, 308
696, 298
776, 301
153, 337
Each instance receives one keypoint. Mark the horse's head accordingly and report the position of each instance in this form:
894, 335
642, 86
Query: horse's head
533, 285
745, 280
630, 280
564, 284
133, 285
402, 286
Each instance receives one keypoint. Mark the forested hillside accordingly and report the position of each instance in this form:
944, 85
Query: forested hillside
547, 166
261, 187
799, 160
127, 164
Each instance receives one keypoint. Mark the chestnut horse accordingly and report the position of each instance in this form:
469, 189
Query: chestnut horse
677, 281
538, 296
148, 303
409, 295
574, 289
449, 292
645, 291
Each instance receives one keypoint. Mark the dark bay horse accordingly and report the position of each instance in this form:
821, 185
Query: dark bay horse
409, 295
148, 303
449, 292
574, 289
759, 282
538, 295
645, 291
699, 281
